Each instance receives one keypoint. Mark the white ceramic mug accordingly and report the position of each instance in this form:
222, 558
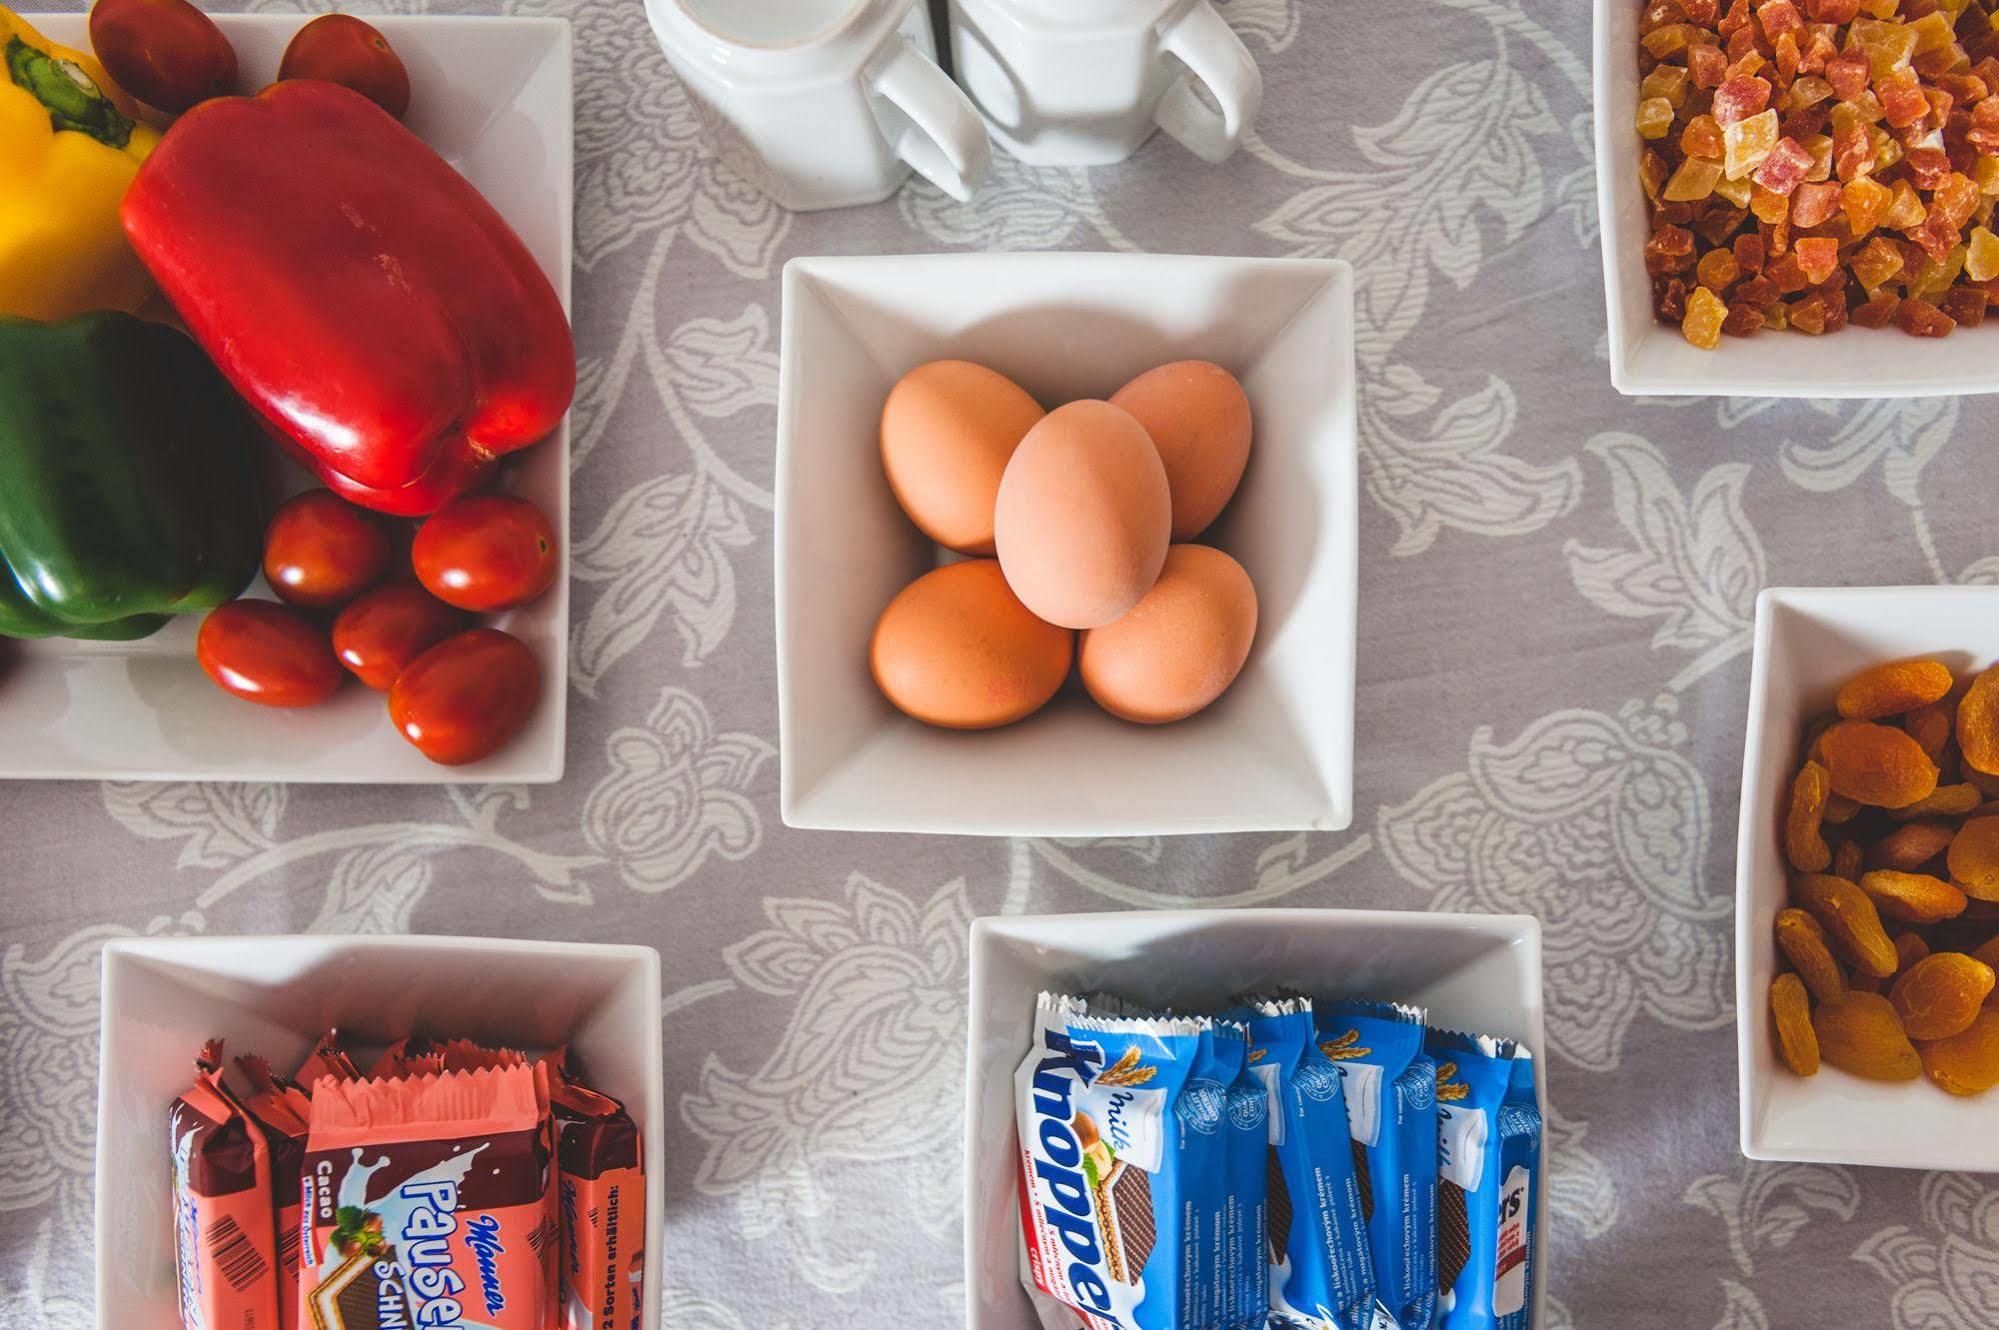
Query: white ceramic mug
1085, 82
824, 103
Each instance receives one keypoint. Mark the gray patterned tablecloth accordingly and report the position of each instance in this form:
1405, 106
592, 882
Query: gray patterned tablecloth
1556, 598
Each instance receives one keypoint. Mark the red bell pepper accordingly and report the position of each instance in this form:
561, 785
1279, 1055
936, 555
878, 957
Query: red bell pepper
359, 293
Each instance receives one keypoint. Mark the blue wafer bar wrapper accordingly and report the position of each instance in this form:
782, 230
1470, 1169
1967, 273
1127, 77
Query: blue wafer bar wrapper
1321, 1273
1391, 1093
1248, 1302
1123, 1126
1488, 1156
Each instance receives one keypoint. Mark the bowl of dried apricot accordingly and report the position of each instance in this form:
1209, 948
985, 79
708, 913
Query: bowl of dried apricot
1797, 196
1867, 879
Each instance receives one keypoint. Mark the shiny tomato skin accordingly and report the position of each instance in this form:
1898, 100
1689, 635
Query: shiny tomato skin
320, 551
378, 635
486, 553
339, 48
267, 653
167, 53
466, 697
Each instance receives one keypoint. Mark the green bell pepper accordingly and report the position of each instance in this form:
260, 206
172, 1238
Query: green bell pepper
128, 488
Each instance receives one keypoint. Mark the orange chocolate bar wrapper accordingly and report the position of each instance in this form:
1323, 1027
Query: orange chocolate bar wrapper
430, 1201
603, 1210
281, 1109
225, 1228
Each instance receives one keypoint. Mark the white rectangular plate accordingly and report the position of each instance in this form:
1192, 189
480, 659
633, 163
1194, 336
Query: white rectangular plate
1473, 972
1808, 642
164, 997
492, 95
1273, 753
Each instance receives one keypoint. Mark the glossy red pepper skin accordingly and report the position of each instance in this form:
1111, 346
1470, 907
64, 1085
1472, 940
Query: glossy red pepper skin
358, 291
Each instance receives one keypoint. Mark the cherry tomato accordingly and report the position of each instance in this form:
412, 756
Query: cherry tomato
465, 697
382, 632
321, 551
166, 53
267, 653
485, 553
340, 48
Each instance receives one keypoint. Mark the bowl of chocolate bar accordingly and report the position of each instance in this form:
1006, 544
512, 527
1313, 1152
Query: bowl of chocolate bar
1797, 196
1326, 1117
1867, 879
378, 1131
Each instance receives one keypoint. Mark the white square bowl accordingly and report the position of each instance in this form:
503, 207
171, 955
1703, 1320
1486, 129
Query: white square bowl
1474, 972
1648, 358
492, 96
1808, 642
1275, 752
163, 997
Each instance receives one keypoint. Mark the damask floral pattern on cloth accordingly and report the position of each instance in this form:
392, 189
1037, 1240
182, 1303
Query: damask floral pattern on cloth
1556, 593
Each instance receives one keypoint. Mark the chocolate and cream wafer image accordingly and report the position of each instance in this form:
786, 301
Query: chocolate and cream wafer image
1364, 1179
1453, 1234
1130, 1228
1278, 1207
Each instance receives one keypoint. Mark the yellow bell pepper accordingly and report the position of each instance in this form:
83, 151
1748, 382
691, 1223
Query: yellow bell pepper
70, 142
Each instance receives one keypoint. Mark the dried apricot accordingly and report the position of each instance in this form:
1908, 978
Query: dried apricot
1974, 858
1950, 800
1930, 726
1802, 940
1983, 780
1908, 950
1966, 1062
1803, 844
1988, 951
1912, 845
1915, 898
1940, 995
1891, 689
1877, 764
1840, 810
1791, 1013
1978, 723
1850, 919
1848, 861
1860, 1033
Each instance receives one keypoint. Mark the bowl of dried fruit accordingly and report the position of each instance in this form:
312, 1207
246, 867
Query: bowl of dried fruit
1867, 879
1797, 195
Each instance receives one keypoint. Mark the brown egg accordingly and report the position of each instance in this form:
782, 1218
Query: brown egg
1180, 647
956, 648
1198, 418
948, 429
1083, 515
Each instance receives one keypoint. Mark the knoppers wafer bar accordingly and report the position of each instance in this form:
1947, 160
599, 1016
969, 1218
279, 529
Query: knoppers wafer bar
1391, 1093
1489, 1151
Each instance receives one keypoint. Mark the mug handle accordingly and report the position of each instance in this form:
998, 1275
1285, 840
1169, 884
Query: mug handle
1205, 43
947, 142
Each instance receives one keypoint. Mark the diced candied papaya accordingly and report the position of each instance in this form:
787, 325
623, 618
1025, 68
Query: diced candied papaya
1702, 138
1920, 319
1932, 31
1852, 151
1705, 315
1848, 75
1809, 315
1888, 47
1744, 319
1806, 91
1902, 100
1927, 166
1986, 173
1737, 192
1788, 274
1701, 13
1669, 299
1935, 236
1878, 312
1670, 249
1981, 258
1864, 201
1717, 269
1832, 11
1905, 209
1876, 262
1693, 181
1784, 169
1779, 18
1739, 98
1707, 65
1655, 118
1820, 147
1716, 223
1784, 53
1965, 304
1956, 198
1813, 205
1652, 172
1818, 257
1668, 40
1669, 82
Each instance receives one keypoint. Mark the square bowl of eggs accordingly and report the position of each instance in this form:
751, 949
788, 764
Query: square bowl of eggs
1066, 544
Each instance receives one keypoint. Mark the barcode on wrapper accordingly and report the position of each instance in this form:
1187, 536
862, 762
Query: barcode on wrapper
235, 1257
